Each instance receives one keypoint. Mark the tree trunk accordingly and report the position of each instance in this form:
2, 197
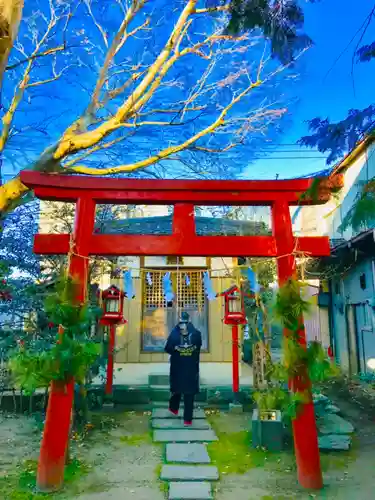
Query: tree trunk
10, 17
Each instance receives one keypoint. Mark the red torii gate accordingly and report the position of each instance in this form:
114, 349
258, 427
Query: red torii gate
87, 192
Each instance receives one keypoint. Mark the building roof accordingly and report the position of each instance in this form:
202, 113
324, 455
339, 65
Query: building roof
345, 254
346, 162
364, 241
205, 226
335, 242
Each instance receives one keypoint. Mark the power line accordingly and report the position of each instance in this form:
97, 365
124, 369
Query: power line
359, 41
351, 41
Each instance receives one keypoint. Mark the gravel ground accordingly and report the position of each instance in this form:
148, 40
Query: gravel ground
346, 475
124, 463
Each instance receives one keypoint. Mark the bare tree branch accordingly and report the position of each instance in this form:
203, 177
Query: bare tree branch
36, 56
10, 17
165, 153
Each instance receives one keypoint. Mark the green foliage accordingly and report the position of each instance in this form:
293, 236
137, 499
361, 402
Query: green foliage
22, 485
341, 137
280, 22
362, 213
71, 355
62, 308
233, 453
277, 396
290, 305
265, 271
320, 367
66, 359
308, 364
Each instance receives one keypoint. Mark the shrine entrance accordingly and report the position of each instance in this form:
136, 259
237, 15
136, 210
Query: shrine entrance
87, 192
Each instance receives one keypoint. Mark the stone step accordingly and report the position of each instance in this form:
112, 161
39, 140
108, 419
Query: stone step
165, 404
158, 379
190, 491
184, 436
189, 473
165, 413
178, 423
334, 442
331, 423
188, 453
159, 394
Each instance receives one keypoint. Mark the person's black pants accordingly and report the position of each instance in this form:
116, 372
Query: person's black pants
174, 405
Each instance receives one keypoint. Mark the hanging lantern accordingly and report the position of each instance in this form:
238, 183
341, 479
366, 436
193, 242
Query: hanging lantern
234, 306
113, 305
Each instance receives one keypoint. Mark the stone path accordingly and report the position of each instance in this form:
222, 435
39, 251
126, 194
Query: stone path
187, 469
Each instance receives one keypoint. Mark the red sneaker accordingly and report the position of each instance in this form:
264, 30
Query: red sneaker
175, 412
188, 422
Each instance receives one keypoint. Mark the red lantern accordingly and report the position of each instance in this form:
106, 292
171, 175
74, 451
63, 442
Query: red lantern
234, 306
113, 305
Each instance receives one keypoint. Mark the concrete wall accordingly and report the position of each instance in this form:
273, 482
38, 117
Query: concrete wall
317, 321
326, 219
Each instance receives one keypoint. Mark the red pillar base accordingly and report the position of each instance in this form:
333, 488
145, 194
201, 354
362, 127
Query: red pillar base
306, 449
50, 475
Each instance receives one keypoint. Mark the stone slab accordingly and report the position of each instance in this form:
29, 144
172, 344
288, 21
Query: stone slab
334, 424
332, 409
178, 423
190, 491
165, 413
189, 473
189, 453
334, 442
184, 436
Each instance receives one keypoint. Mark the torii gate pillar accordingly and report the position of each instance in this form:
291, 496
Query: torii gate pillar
54, 446
304, 426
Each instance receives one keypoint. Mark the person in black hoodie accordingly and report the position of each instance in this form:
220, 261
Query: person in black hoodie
184, 344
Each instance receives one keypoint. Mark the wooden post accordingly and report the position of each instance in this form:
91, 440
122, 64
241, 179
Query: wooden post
235, 361
53, 451
304, 426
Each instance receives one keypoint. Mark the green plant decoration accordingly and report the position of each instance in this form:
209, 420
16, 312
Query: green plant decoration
308, 364
290, 305
71, 355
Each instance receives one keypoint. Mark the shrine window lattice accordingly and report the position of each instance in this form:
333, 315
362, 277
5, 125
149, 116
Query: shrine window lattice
187, 287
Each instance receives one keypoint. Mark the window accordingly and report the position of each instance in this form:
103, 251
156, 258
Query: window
160, 317
175, 260
362, 281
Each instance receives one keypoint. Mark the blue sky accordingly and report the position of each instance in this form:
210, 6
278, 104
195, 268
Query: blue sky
331, 24
47, 111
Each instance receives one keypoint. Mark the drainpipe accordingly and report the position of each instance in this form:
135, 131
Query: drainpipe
373, 266
346, 321
332, 333
373, 292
